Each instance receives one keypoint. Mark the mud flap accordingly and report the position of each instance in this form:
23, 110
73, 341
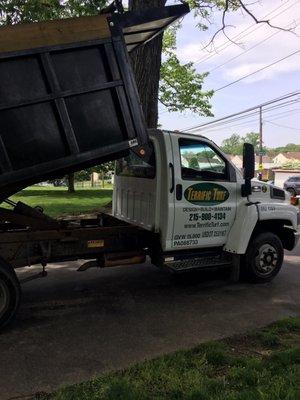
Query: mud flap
235, 268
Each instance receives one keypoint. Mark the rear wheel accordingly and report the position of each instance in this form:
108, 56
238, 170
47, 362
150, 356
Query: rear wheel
10, 293
264, 258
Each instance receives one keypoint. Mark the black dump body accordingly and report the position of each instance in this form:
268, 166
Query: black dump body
68, 97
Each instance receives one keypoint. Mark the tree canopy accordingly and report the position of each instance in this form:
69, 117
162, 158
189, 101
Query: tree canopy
286, 148
234, 144
16, 11
180, 86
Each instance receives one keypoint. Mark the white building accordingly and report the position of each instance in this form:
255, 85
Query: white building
267, 162
281, 175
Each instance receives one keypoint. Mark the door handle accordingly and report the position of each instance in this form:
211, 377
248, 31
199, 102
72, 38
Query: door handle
178, 192
171, 166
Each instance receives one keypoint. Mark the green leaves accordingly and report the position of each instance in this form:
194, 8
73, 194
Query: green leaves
15, 11
181, 87
234, 144
180, 84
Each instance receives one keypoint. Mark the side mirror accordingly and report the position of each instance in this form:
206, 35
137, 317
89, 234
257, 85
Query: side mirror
248, 167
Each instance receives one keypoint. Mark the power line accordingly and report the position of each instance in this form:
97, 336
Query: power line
241, 117
278, 99
283, 126
226, 129
285, 114
250, 48
247, 122
229, 127
165, 111
258, 70
230, 43
240, 35
238, 117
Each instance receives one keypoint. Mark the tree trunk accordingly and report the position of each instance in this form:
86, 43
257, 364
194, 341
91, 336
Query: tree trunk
71, 183
146, 62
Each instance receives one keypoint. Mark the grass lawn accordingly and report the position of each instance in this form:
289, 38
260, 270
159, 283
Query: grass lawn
57, 201
264, 365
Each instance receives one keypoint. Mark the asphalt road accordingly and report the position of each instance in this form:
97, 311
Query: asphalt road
75, 325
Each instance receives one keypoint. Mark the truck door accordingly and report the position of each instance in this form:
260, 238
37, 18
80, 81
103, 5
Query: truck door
205, 194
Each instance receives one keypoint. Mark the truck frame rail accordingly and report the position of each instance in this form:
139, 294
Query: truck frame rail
33, 238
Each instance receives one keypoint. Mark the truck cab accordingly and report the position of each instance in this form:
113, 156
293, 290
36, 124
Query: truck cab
192, 197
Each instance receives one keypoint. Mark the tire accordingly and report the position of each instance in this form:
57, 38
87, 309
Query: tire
291, 191
10, 293
263, 259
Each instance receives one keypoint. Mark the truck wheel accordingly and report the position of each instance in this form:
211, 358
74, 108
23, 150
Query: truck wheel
10, 293
263, 259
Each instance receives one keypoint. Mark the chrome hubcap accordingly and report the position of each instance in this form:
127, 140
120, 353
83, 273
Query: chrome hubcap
266, 259
4, 295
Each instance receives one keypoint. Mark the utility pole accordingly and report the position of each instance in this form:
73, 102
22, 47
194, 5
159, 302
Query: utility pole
260, 144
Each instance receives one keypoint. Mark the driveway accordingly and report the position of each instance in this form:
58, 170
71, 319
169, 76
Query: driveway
75, 325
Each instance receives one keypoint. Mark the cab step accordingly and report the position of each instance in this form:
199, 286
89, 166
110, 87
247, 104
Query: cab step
184, 264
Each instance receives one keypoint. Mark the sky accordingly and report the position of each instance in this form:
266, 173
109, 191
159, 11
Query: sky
282, 78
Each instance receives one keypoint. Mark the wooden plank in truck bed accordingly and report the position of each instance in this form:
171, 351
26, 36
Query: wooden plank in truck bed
51, 33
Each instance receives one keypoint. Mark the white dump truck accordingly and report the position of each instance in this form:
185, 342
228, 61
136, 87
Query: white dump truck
68, 100
186, 207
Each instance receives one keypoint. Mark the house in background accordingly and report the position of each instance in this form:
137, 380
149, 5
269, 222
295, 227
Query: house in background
279, 169
237, 160
267, 168
285, 158
267, 165
286, 165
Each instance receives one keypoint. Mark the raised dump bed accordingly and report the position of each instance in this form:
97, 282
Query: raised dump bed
68, 97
